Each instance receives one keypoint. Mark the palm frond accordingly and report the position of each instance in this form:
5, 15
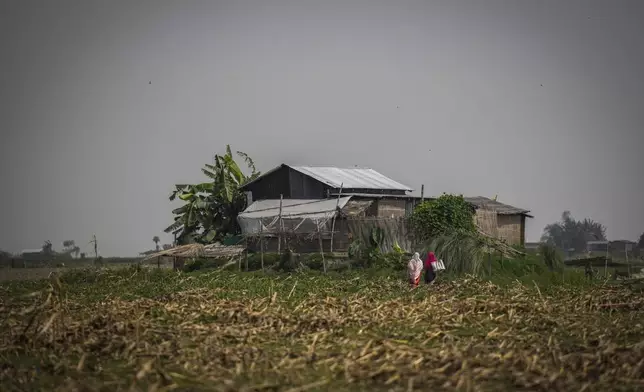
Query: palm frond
249, 162
176, 225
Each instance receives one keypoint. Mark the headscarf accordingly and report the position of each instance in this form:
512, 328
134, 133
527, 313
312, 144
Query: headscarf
431, 258
415, 266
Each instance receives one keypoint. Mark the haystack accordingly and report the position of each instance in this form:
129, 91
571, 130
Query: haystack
194, 251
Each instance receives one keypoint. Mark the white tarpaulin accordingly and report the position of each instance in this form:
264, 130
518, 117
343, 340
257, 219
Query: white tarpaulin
298, 215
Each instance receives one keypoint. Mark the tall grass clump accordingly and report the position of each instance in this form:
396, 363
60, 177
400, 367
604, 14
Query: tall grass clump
462, 252
551, 257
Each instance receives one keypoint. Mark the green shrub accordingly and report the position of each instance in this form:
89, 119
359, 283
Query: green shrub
444, 215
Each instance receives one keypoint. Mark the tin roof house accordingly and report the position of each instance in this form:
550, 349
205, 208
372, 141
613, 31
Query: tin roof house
388, 197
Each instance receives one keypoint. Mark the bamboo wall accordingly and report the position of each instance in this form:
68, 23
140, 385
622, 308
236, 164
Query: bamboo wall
391, 208
510, 228
487, 221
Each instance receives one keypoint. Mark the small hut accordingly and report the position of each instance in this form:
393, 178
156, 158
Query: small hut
179, 254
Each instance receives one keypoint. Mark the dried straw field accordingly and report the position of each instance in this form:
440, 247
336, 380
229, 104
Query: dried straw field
134, 329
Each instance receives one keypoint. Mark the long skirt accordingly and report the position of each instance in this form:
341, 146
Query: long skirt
414, 282
430, 275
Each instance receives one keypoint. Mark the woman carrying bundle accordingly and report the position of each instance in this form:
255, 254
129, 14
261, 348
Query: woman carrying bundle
415, 269
430, 274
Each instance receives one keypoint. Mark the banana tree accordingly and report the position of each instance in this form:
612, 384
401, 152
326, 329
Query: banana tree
211, 208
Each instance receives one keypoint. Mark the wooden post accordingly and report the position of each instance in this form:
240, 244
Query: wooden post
321, 247
246, 249
158, 261
422, 192
261, 244
628, 264
335, 212
279, 228
606, 262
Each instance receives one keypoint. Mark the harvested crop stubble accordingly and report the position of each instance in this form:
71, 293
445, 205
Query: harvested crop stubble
229, 332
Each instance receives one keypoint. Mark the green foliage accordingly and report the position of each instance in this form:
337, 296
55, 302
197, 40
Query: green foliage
286, 262
444, 215
210, 209
551, 256
376, 238
356, 249
569, 233
640, 243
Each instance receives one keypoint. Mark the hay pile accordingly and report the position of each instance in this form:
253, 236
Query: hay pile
195, 251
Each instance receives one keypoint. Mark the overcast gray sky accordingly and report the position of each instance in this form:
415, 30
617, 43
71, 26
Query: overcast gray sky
540, 102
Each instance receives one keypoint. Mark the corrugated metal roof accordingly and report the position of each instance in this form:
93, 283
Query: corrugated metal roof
31, 251
351, 178
293, 208
376, 195
500, 208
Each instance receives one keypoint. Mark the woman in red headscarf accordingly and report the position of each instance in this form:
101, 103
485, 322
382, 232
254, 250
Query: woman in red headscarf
430, 274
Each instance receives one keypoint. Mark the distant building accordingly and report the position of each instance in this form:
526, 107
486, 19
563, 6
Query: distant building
32, 254
623, 249
502, 221
532, 246
389, 198
378, 196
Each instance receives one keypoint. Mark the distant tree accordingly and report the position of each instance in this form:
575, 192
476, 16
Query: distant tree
210, 209
71, 248
640, 243
569, 233
156, 241
47, 248
167, 246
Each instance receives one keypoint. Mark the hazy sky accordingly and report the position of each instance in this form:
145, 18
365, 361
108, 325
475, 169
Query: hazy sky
540, 102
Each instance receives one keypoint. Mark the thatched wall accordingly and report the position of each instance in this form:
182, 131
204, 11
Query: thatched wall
487, 221
391, 208
510, 229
